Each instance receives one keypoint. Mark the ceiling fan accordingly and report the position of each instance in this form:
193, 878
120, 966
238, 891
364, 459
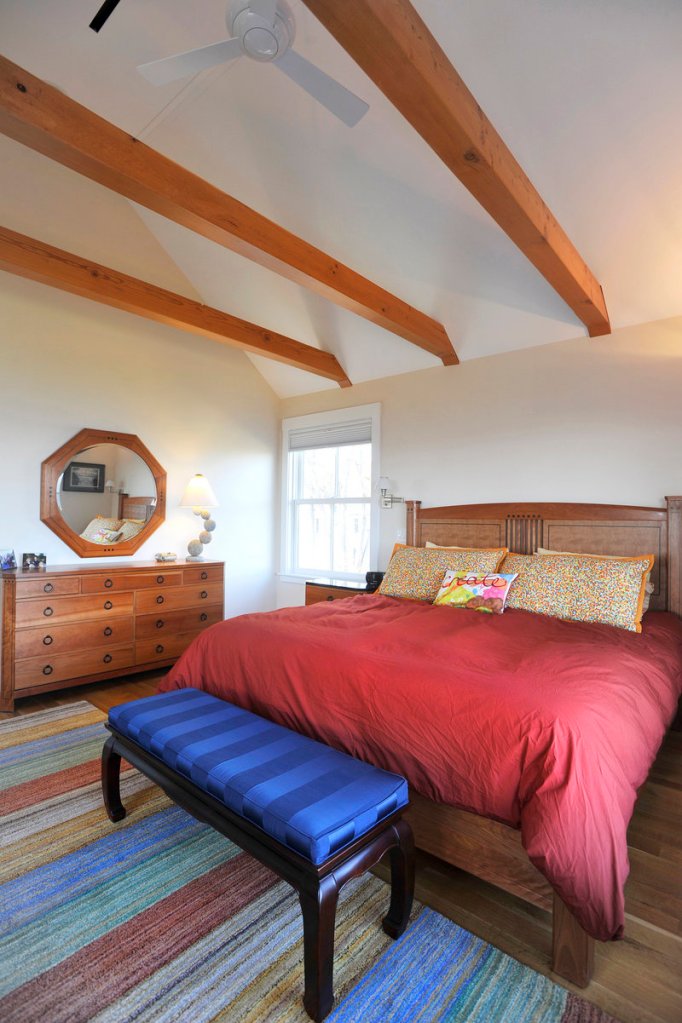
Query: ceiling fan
262, 30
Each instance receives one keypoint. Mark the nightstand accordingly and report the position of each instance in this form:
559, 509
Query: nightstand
317, 590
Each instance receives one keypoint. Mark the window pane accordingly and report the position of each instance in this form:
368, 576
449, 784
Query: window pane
316, 472
351, 538
313, 537
355, 468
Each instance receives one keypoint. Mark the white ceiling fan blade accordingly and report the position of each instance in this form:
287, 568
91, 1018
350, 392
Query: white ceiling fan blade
327, 91
265, 8
168, 69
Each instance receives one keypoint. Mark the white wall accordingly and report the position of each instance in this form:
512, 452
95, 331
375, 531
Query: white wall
584, 420
68, 363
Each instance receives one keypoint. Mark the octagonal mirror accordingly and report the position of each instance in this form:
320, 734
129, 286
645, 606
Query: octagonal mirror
103, 493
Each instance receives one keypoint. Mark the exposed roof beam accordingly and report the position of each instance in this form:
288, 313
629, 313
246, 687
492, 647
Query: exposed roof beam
43, 118
393, 46
27, 257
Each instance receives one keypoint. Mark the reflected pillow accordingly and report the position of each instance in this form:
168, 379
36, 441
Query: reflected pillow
580, 587
476, 592
648, 588
415, 573
100, 525
130, 528
103, 536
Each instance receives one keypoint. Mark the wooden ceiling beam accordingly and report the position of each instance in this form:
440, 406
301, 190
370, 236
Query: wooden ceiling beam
394, 47
41, 117
27, 257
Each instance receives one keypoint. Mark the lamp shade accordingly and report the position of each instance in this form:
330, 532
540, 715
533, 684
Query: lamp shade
199, 494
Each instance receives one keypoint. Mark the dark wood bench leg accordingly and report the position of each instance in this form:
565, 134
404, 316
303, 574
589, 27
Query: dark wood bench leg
402, 881
572, 947
319, 918
111, 775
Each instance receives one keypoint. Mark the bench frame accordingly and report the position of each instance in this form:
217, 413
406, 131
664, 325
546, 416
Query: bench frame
318, 886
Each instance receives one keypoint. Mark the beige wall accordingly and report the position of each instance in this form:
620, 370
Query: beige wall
199, 406
581, 420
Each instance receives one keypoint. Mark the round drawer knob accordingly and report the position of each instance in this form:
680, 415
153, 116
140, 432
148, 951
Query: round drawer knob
48, 611
108, 605
203, 616
107, 658
204, 575
160, 580
108, 631
203, 594
47, 640
108, 583
48, 669
48, 587
159, 648
160, 623
330, 597
159, 600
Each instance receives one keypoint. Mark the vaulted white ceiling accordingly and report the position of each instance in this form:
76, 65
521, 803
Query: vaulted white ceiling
586, 94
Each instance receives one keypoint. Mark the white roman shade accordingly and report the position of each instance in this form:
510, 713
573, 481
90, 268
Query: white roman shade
355, 431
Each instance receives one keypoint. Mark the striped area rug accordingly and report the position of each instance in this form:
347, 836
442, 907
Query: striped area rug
158, 918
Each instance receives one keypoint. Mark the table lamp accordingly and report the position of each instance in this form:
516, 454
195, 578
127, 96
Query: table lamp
199, 497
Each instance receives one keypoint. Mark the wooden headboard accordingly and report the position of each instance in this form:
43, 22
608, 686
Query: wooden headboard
592, 528
136, 507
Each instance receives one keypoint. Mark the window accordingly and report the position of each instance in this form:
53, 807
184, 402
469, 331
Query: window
330, 519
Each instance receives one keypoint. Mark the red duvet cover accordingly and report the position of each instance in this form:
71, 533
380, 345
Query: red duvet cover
545, 725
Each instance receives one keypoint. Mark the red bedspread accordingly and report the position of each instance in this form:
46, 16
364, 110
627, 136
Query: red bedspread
546, 725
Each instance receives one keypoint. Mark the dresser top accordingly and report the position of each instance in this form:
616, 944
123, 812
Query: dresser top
89, 569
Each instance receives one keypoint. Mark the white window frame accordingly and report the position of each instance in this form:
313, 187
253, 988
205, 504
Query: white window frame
321, 420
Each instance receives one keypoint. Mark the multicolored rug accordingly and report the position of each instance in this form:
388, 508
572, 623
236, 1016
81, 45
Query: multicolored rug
158, 918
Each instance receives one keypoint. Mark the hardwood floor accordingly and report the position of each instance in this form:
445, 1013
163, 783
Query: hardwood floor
638, 980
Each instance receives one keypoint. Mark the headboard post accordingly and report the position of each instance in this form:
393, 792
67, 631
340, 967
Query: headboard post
411, 525
675, 554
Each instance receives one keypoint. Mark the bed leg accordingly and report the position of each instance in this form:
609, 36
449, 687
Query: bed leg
572, 947
111, 789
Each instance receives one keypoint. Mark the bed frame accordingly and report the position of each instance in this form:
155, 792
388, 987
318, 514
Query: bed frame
136, 507
483, 847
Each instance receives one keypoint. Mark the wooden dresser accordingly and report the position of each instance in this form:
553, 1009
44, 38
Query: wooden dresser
317, 590
74, 624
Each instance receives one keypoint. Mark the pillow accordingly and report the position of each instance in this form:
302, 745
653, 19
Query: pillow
581, 587
130, 528
97, 525
103, 536
440, 547
417, 572
648, 587
477, 592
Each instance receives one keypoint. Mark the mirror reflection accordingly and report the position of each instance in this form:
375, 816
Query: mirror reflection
106, 494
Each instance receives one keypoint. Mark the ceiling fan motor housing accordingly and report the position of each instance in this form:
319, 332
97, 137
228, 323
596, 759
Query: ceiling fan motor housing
260, 38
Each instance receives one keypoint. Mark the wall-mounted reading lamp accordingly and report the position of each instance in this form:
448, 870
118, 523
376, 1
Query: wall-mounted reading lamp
387, 500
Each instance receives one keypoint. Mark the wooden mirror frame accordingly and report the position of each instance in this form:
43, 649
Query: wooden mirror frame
50, 512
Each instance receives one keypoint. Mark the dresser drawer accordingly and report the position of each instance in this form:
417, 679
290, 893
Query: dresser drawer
130, 581
37, 587
170, 622
162, 648
51, 639
45, 670
72, 609
179, 597
205, 574
317, 592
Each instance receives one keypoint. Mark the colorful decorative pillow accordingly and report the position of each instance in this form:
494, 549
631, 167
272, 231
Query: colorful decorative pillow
581, 587
648, 587
416, 573
98, 525
103, 536
474, 591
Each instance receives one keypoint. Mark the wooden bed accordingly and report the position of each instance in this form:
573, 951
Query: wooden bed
483, 847
136, 507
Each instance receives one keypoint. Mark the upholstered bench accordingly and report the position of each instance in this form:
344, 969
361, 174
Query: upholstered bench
315, 816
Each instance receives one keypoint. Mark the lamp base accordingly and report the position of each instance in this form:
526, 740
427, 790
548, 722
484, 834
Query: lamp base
197, 557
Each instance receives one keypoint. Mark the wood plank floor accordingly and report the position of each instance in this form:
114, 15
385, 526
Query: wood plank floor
638, 980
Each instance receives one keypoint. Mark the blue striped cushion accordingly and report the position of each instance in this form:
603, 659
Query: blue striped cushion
313, 799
